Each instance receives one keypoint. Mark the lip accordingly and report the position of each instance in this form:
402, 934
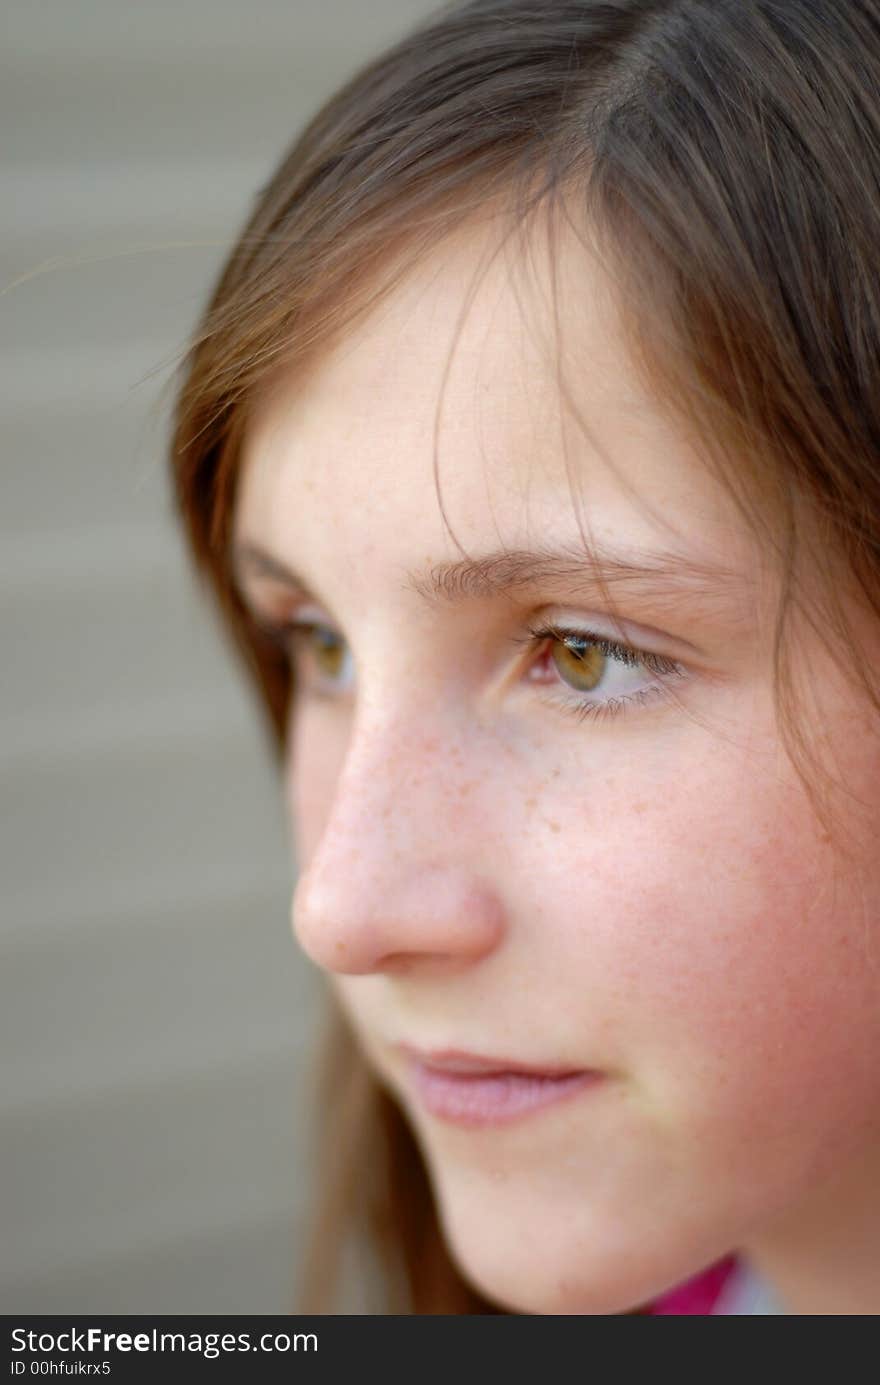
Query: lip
456, 1060
473, 1091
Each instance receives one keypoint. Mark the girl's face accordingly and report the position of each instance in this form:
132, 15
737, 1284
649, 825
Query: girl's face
549, 855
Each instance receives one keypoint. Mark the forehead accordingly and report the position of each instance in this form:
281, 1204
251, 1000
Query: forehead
464, 357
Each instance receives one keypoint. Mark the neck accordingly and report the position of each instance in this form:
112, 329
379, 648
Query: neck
824, 1260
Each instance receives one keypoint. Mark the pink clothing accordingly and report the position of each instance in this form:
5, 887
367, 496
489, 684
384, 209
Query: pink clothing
699, 1295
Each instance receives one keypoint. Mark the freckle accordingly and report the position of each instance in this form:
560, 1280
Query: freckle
639, 807
530, 801
554, 826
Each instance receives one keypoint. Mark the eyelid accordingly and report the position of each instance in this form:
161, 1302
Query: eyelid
300, 611
643, 639
615, 648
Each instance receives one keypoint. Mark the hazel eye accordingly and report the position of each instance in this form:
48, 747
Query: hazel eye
586, 661
315, 652
324, 647
579, 662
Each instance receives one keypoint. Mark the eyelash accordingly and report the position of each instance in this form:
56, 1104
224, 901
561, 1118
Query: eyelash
286, 633
582, 708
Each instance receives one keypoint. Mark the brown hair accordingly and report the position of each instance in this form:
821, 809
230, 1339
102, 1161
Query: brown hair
726, 154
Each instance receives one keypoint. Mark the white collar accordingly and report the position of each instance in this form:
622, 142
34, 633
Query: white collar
745, 1293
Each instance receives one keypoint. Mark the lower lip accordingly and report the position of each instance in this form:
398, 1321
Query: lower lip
481, 1099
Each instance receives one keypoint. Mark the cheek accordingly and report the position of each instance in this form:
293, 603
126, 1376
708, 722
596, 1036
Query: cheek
693, 929
733, 962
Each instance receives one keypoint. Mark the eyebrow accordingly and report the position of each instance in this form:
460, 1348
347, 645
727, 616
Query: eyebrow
664, 576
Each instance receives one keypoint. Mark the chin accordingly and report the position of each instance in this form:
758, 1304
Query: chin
535, 1287
562, 1271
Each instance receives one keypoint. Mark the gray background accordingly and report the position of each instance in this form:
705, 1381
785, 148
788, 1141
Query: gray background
157, 1021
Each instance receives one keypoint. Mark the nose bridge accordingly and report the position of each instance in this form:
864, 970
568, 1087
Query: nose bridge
409, 773
396, 870
391, 807
398, 773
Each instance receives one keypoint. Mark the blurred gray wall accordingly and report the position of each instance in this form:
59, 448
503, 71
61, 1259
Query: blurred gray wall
157, 1022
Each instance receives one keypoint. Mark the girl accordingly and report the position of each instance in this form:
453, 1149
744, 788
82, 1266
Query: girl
530, 446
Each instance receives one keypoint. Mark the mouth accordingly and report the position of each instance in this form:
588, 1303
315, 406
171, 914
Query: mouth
473, 1090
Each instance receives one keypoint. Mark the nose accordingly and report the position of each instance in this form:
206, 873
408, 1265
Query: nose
396, 880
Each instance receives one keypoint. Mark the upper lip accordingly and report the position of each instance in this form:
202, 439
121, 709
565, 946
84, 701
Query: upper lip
457, 1060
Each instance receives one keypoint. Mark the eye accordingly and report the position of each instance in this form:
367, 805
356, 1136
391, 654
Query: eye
315, 651
599, 672
587, 662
